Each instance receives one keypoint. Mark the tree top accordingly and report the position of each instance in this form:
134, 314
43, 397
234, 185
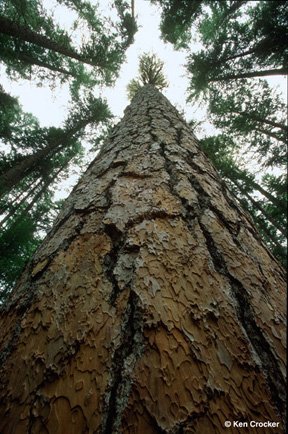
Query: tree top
150, 71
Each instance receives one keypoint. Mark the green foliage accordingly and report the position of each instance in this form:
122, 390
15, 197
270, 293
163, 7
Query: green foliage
252, 113
32, 45
176, 19
241, 42
249, 43
33, 159
16, 245
150, 72
266, 201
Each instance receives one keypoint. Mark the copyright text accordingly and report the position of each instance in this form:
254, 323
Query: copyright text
251, 424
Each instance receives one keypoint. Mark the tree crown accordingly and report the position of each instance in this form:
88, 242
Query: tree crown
150, 72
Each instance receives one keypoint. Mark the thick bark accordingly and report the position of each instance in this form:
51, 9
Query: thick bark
152, 306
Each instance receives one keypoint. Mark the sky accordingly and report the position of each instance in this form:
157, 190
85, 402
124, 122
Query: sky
51, 106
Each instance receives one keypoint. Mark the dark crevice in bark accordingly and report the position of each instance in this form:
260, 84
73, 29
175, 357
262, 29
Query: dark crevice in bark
113, 165
124, 359
34, 277
179, 135
150, 215
111, 258
12, 343
119, 247
117, 240
269, 364
233, 204
134, 175
188, 211
181, 426
204, 201
154, 423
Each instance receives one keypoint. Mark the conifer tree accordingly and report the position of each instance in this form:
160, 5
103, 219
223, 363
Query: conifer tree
152, 305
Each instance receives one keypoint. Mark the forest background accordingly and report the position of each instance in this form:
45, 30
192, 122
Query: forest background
65, 66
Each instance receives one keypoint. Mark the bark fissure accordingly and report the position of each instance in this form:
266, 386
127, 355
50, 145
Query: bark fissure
159, 277
204, 201
188, 210
111, 258
124, 359
261, 347
11, 343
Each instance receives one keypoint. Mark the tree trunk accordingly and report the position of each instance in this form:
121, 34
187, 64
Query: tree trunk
30, 60
15, 206
261, 223
277, 202
152, 306
27, 165
265, 47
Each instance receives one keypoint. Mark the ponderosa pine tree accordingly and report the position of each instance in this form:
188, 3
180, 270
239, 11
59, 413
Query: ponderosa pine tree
255, 114
177, 18
150, 71
252, 46
152, 306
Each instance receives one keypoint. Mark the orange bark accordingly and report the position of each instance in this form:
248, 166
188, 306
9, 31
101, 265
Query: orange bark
152, 306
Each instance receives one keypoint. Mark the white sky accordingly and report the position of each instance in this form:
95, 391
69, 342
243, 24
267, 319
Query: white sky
50, 106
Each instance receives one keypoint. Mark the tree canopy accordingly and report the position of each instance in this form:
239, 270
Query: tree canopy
32, 44
150, 72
